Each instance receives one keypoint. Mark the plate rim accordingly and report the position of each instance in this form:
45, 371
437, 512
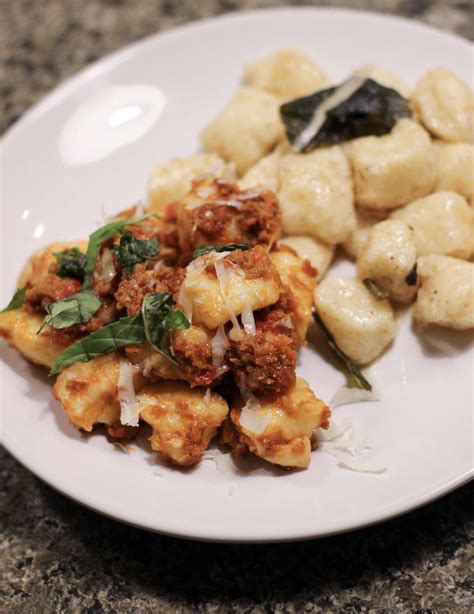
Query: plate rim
69, 86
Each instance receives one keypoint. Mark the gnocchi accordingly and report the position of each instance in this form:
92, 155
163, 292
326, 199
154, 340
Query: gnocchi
455, 164
317, 252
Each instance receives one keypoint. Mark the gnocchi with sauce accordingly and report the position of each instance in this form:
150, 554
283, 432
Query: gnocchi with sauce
183, 320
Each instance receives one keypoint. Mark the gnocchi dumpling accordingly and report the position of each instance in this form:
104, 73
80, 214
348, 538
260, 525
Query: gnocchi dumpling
287, 74
316, 251
20, 328
456, 168
446, 293
183, 420
217, 290
298, 278
171, 181
388, 259
246, 129
37, 265
88, 391
442, 223
294, 415
361, 325
384, 77
392, 170
445, 105
263, 174
316, 195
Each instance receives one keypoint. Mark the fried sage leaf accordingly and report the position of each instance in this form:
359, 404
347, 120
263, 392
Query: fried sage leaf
98, 237
375, 290
159, 318
350, 364
357, 107
71, 263
17, 300
126, 331
131, 250
412, 276
229, 247
75, 309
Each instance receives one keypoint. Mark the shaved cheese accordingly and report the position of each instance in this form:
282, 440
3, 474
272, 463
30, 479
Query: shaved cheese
219, 345
346, 395
207, 396
248, 321
129, 404
140, 209
348, 461
108, 271
286, 322
335, 430
224, 276
343, 92
253, 419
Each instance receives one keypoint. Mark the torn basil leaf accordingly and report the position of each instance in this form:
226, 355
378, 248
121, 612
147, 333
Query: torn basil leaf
17, 300
75, 309
126, 331
159, 317
350, 364
131, 250
71, 263
412, 276
98, 237
355, 108
230, 247
375, 290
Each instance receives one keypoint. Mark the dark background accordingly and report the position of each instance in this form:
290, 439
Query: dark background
59, 557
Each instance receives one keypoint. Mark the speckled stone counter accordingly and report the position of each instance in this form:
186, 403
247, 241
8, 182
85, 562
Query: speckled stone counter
55, 556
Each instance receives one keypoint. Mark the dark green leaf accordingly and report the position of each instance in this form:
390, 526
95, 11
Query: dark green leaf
71, 263
131, 250
159, 317
372, 109
98, 237
375, 290
230, 247
351, 365
126, 331
412, 276
75, 309
17, 300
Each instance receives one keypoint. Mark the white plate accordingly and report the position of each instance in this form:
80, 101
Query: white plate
58, 176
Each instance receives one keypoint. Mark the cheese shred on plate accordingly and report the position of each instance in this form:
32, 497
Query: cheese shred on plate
129, 404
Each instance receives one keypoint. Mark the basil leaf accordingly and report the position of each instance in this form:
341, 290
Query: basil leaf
17, 300
412, 276
74, 309
351, 365
131, 250
375, 290
230, 247
98, 237
126, 331
71, 263
159, 317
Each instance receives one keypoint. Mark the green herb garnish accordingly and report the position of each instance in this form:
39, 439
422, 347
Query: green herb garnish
17, 300
126, 331
71, 263
351, 365
230, 247
98, 237
375, 290
412, 276
75, 309
159, 317
131, 250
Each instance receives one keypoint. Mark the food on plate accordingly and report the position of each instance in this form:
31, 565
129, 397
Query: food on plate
394, 169
446, 294
388, 259
183, 319
443, 223
445, 105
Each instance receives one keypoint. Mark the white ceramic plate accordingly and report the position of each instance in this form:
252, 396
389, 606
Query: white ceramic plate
88, 147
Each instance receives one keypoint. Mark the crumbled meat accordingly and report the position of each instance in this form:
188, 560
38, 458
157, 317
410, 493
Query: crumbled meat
49, 290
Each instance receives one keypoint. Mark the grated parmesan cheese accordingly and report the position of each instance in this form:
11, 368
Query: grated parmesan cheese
219, 345
108, 271
129, 404
346, 395
248, 320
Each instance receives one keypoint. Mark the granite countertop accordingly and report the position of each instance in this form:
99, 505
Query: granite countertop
59, 557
